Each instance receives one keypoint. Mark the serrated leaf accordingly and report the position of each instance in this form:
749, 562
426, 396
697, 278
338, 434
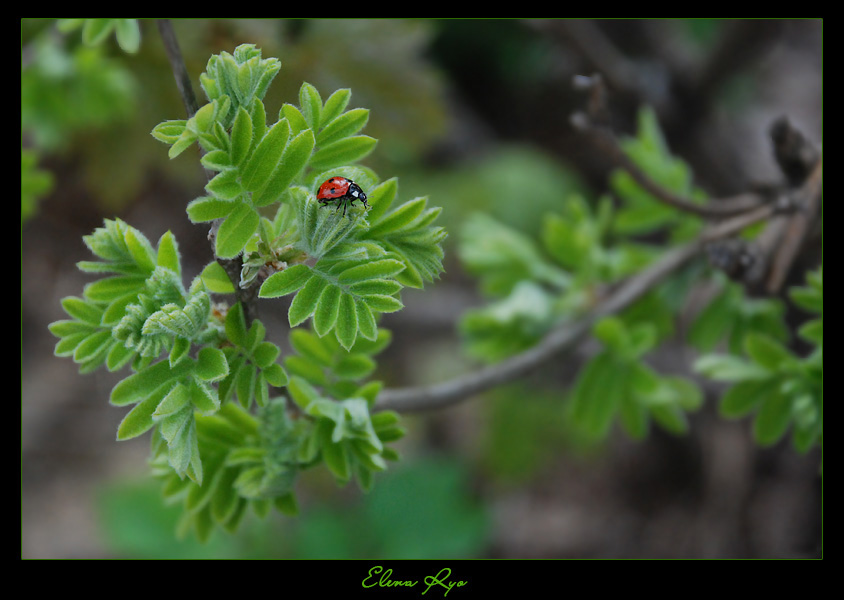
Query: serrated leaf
236, 229
285, 282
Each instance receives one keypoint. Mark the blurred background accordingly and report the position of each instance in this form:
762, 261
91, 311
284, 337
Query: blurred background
475, 115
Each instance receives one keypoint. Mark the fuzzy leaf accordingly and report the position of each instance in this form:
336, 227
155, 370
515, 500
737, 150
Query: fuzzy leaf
305, 301
335, 105
342, 152
376, 269
285, 282
236, 230
293, 160
349, 123
265, 158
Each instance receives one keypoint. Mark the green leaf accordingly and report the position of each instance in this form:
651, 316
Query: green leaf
216, 160
168, 253
400, 218
325, 313
215, 278
745, 396
236, 230
310, 103
335, 105
305, 301
285, 282
169, 131
772, 420
347, 322
384, 304
266, 156
347, 124
597, 394
375, 269
211, 364
342, 152
241, 137
209, 208
766, 352
82, 310
225, 185
726, 367
293, 161
139, 420
235, 326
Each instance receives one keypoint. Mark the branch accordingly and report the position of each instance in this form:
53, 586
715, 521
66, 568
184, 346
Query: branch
441, 395
594, 124
233, 266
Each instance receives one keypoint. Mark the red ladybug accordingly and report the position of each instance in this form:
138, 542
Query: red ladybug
344, 191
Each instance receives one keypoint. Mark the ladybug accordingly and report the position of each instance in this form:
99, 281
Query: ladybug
344, 191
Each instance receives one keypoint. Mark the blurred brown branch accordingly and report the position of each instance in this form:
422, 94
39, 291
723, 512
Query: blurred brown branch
796, 206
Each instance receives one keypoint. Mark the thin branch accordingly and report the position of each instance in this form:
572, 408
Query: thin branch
567, 335
807, 200
611, 147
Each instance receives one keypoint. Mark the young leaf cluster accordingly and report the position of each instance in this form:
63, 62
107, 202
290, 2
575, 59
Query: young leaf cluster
204, 379
536, 284
781, 389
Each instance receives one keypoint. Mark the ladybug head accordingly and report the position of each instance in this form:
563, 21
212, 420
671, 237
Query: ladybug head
356, 192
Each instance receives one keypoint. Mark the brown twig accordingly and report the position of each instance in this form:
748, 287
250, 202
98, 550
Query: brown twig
441, 395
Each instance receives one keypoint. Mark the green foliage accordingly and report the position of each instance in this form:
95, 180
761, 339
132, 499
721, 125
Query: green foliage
95, 31
782, 389
206, 382
536, 283
35, 183
69, 90
618, 383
